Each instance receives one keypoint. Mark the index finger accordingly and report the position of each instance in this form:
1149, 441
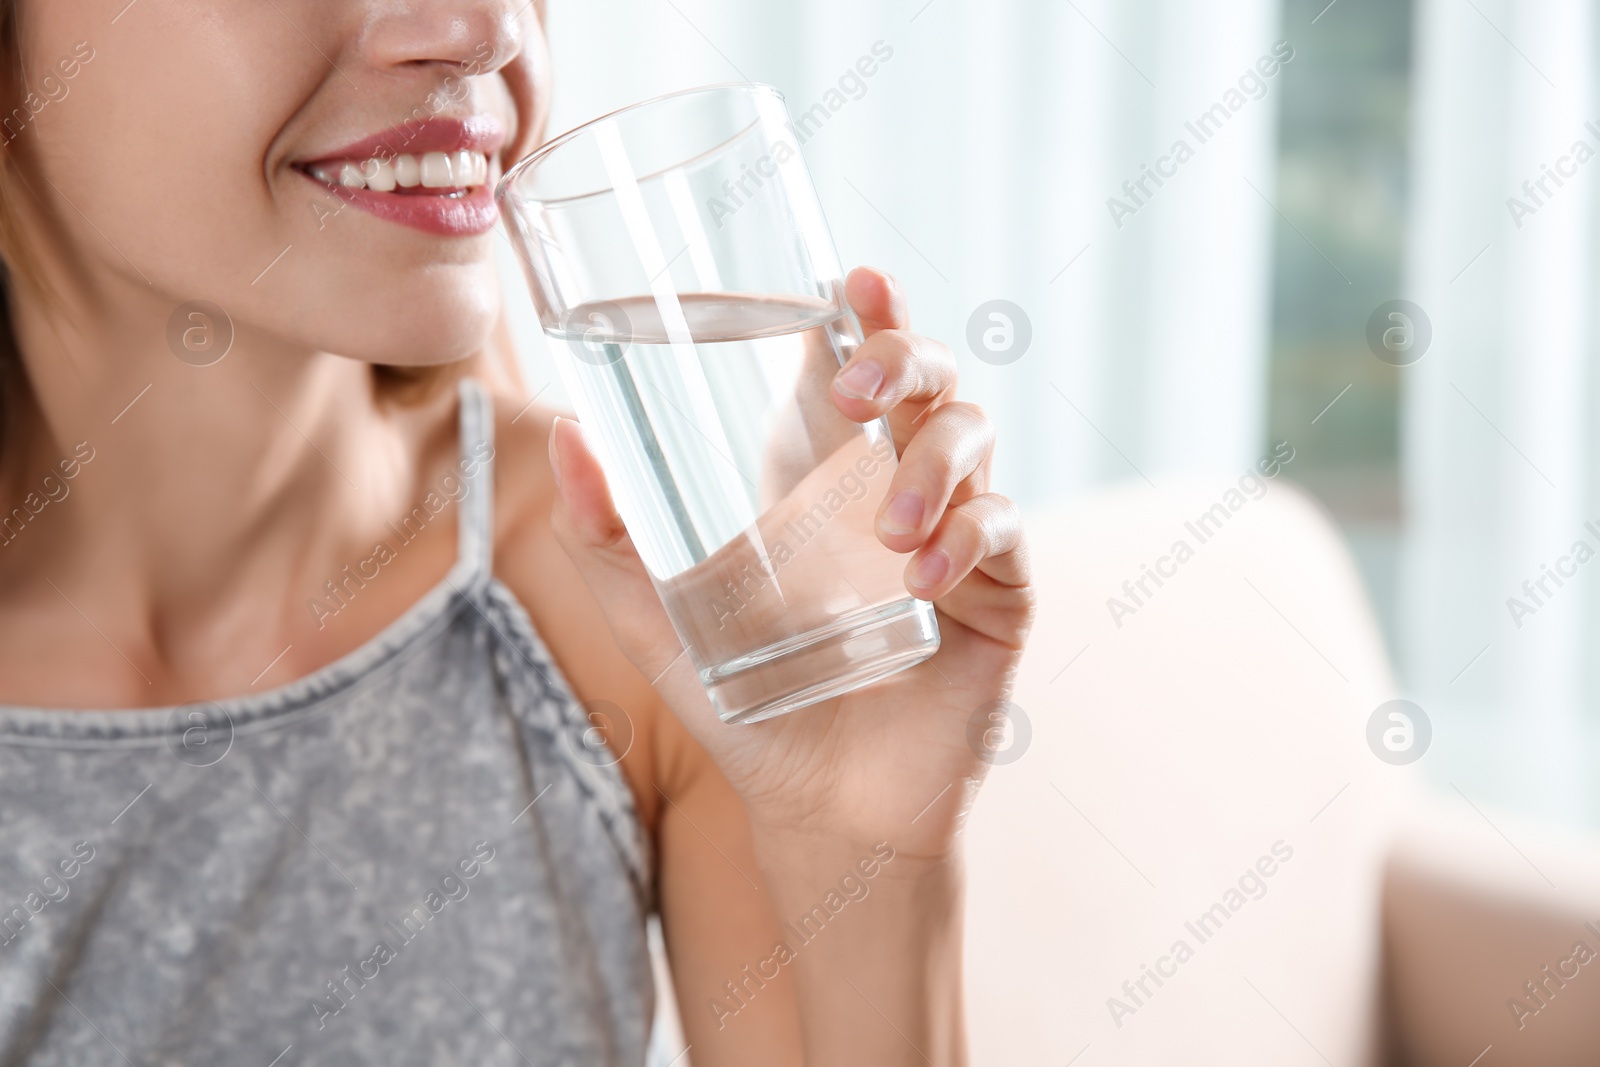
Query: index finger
878, 301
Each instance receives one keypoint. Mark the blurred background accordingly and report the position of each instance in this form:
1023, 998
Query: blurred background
1183, 328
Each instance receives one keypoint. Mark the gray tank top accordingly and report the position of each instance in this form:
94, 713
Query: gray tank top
419, 854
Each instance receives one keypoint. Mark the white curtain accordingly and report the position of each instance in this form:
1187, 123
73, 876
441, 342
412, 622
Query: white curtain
977, 164
1499, 445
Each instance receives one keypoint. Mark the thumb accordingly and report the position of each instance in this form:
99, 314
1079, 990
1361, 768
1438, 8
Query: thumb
587, 526
583, 499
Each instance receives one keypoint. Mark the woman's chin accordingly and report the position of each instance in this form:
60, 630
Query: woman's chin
424, 334
411, 353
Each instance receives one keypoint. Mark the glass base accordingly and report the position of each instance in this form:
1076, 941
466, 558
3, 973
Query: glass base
853, 651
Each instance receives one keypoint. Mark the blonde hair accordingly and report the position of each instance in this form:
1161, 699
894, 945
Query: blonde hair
11, 79
15, 257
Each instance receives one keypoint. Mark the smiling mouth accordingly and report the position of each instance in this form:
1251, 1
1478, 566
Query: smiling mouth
430, 175
449, 174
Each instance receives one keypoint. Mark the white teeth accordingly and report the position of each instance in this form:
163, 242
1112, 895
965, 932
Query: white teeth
379, 174
434, 170
407, 171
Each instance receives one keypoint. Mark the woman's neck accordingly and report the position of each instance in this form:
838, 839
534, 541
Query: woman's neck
186, 502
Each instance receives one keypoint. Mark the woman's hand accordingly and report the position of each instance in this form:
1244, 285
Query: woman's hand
899, 760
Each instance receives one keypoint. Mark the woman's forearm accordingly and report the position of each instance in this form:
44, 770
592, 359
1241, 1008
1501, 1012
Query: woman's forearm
874, 943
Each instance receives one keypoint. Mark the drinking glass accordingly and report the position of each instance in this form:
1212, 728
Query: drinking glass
682, 270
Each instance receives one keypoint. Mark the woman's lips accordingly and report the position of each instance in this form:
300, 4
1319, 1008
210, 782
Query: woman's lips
463, 212
432, 175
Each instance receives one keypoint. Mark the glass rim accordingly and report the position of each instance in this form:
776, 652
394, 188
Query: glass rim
544, 151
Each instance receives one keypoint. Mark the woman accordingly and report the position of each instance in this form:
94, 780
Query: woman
358, 630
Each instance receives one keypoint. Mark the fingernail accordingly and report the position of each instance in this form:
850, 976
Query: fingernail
860, 381
931, 569
555, 453
904, 514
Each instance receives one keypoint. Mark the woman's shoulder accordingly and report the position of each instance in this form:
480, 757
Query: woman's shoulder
530, 562
524, 494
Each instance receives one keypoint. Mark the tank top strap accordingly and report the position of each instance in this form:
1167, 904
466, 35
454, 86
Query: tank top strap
475, 540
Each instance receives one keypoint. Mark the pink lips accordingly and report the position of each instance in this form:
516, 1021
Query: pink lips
461, 212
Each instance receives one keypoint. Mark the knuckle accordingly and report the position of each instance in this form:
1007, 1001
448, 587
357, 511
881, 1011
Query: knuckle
924, 365
1002, 521
1004, 507
1027, 606
896, 345
942, 365
969, 521
976, 522
971, 413
965, 418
